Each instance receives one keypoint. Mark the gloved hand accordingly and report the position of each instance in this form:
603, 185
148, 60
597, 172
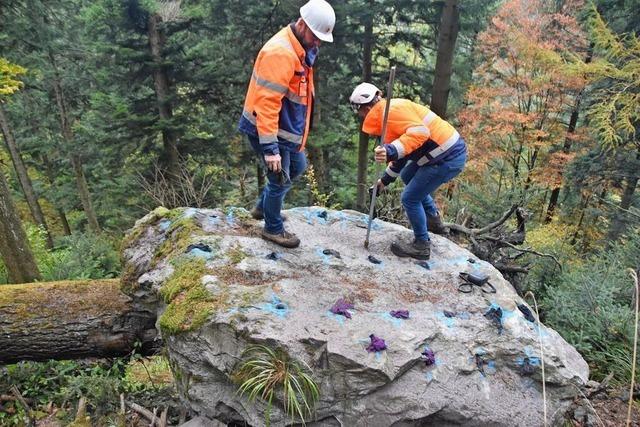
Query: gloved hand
380, 190
274, 162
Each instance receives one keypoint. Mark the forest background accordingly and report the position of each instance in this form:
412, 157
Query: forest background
109, 108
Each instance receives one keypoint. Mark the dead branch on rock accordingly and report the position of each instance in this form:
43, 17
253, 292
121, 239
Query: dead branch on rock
489, 242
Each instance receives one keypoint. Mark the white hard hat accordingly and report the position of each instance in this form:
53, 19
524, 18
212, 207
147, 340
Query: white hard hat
364, 93
320, 18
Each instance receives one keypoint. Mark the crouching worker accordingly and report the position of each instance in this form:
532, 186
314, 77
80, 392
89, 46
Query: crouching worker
421, 148
278, 107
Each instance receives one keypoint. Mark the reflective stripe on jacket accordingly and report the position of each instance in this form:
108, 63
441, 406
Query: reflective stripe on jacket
280, 95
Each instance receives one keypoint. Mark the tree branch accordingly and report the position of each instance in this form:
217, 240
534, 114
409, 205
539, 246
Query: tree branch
479, 231
529, 251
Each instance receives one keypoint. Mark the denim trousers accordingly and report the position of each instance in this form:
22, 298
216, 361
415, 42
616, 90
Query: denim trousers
420, 182
271, 199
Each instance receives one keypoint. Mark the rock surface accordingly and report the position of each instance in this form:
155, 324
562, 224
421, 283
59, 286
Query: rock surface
247, 291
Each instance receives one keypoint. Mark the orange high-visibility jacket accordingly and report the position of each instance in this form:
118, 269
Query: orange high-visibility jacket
280, 95
413, 133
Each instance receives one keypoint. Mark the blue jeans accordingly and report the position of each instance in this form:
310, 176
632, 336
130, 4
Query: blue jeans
420, 182
270, 200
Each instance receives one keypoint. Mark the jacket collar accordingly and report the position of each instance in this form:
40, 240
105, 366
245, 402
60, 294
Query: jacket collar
297, 46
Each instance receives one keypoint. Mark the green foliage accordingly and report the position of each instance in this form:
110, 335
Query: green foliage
64, 382
79, 256
268, 374
591, 307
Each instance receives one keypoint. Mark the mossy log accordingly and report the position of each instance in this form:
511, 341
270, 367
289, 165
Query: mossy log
71, 319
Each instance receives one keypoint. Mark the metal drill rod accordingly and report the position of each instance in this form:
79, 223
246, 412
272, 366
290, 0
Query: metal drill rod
374, 193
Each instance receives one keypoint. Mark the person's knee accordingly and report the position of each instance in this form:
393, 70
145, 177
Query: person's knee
409, 199
277, 190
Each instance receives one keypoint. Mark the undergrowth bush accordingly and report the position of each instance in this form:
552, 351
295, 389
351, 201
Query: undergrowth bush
62, 383
591, 306
79, 256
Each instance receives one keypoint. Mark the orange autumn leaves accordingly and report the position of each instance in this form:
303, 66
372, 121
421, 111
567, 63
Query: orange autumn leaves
523, 94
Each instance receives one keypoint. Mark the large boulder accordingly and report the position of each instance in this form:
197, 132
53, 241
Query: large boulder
218, 288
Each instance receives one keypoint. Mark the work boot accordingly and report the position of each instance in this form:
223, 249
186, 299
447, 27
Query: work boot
435, 225
259, 215
418, 249
285, 239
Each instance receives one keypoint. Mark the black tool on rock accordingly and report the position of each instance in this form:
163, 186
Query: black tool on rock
469, 280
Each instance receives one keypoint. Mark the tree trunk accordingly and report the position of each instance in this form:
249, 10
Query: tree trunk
447, 35
363, 142
14, 247
51, 178
23, 176
72, 319
163, 95
619, 221
573, 122
76, 162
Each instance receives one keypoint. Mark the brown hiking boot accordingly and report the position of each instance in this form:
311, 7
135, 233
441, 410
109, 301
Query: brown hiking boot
259, 215
418, 249
435, 225
285, 239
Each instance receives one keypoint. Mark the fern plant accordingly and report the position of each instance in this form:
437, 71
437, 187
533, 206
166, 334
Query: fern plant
265, 373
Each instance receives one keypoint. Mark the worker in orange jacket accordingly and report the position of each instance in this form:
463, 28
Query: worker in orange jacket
421, 148
278, 107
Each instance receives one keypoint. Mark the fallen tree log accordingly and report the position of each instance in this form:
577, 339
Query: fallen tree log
70, 320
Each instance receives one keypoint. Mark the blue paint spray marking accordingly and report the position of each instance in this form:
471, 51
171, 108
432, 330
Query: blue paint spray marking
337, 317
341, 217
276, 306
429, 376
200, 253
189, 212
365, 220
326, 259
389, 318
529, 353
213, 220
449, 321
490, 367
164, 224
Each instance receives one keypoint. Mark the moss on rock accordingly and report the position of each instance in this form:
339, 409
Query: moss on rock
190, 304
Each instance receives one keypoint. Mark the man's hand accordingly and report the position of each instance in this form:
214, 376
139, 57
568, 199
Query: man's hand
381, 154
274, 162
379, 190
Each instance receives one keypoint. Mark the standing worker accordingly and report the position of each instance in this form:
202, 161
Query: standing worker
278, 108
421, 148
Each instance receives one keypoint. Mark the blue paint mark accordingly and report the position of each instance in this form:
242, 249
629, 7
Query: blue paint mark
276, 306
200, 253
389, 318
213, 220
540, 330
428, 376
449, 321
378, 355
230, 218
189, 212
340, 216
480, 351
365, 220
464, 315
534, 361
490, 367
164, 224
337, 317
326, 259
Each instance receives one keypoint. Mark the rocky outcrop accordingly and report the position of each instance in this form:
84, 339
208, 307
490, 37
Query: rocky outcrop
218, 287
